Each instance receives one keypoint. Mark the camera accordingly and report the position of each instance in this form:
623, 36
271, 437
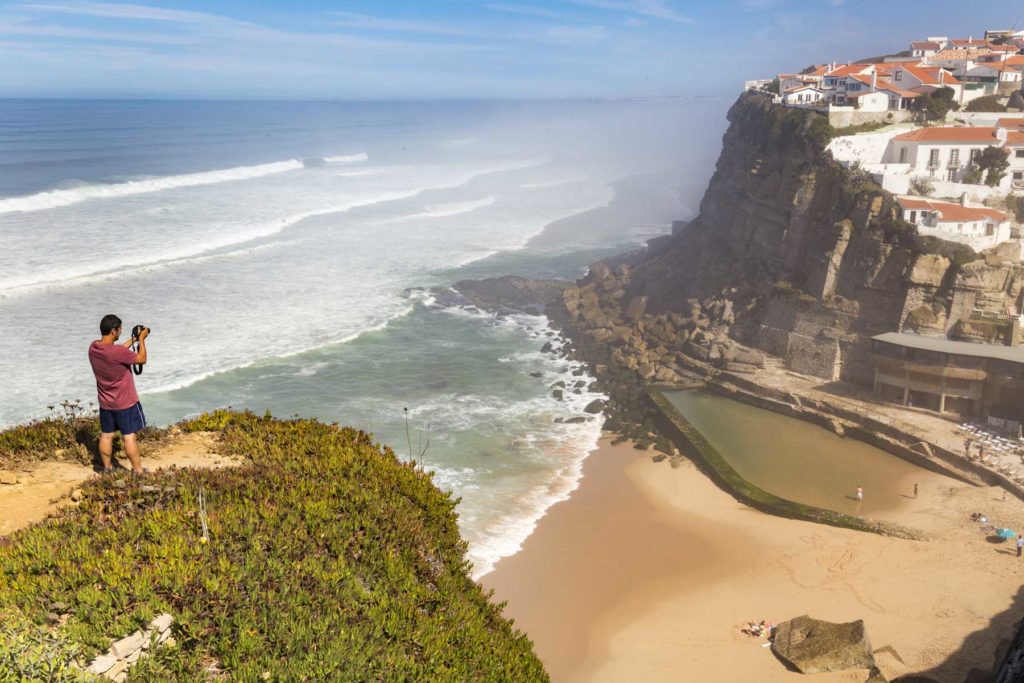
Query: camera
137, 330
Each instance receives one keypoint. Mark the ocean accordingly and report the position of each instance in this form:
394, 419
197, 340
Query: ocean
283, 253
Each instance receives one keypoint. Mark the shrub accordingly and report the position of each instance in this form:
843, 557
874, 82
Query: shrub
935, 105
329, 559
989, 103
993, 161
922, 187
1015, 204
67, 434
34, 653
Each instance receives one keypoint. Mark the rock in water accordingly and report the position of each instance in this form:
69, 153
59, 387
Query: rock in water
813, 646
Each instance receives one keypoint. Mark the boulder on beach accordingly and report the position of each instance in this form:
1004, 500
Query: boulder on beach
814, 646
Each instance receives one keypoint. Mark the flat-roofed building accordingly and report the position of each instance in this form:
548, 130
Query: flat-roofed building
947, 376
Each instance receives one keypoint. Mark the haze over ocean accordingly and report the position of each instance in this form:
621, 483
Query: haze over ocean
279, 252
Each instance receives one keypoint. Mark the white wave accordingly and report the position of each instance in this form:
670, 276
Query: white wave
188, 253
554, 183
347, 158
53, 199
356, 174
445, 210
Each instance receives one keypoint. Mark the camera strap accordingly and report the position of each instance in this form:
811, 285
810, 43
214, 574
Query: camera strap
136, 368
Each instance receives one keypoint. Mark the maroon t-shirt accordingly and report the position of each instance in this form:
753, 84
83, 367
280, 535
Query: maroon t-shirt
112, 365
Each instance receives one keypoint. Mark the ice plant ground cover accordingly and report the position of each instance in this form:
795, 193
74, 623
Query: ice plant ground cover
328, 559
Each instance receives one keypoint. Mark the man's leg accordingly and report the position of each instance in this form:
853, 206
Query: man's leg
131, 449
107, 449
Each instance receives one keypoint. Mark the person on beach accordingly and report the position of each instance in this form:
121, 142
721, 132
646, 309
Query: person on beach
915, 490
967, 446
120, 410
860, 494
1020, 544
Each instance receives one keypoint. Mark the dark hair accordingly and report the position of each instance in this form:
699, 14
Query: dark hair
109, 323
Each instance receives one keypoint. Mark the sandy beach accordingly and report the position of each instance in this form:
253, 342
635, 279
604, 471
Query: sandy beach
648, 572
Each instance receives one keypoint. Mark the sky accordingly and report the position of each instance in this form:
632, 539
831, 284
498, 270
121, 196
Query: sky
437, 49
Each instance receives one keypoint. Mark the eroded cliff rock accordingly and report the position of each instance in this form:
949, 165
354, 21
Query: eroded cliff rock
793, 255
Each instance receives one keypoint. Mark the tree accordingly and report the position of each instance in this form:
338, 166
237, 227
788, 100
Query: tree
994, 162
772, 87
988, 103
934, 106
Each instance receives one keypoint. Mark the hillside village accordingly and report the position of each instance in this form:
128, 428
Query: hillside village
940, 126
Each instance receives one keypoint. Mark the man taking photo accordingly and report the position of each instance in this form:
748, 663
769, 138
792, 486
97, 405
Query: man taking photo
120, 410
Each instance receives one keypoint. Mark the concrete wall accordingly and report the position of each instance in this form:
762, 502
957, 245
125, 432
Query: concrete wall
842, 117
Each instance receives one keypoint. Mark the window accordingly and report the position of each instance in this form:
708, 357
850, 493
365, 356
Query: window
990, 230
913, 217
1018, 175
974, 155
903, 155
894, 103
897, 76
959, 227
954, 157
951, 174
1019, 154
933, 159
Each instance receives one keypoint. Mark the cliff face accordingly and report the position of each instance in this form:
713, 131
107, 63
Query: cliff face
794, 255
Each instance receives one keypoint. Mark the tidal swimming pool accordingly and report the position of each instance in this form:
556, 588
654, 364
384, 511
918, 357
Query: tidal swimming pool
800, 461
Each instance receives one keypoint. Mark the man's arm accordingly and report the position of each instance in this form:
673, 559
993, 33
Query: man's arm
140, 359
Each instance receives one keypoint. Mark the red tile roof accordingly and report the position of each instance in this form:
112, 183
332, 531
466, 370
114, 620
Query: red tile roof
1015, 138
966, 134
1011, 124
847, 70
924, 45
950, 212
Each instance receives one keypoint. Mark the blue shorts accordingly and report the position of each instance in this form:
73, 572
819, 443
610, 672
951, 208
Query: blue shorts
127, 421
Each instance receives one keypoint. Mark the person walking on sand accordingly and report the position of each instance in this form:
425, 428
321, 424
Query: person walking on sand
915, 491
1020, 544
860, 494
120, 410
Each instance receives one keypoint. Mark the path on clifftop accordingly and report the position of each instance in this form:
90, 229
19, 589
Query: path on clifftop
48, 486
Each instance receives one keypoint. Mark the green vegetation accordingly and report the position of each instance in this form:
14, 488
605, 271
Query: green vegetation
773, 87
29, 652
989, 103
1015, 203
922, 187
935, 105
328, 559
67, 434
958, 254
993, 161
862, 127
783, 130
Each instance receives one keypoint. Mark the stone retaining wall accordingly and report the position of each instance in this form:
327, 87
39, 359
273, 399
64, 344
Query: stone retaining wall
116, 661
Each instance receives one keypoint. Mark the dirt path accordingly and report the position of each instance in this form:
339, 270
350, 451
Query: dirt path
49, 485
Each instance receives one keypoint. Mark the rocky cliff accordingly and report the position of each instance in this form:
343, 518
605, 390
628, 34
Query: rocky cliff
794, 255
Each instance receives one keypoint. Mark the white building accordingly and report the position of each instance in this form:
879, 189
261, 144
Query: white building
944, 152
803, 95
924, 48
978, 227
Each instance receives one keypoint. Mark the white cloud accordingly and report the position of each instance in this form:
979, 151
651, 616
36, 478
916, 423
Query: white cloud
368, 22
655, 9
